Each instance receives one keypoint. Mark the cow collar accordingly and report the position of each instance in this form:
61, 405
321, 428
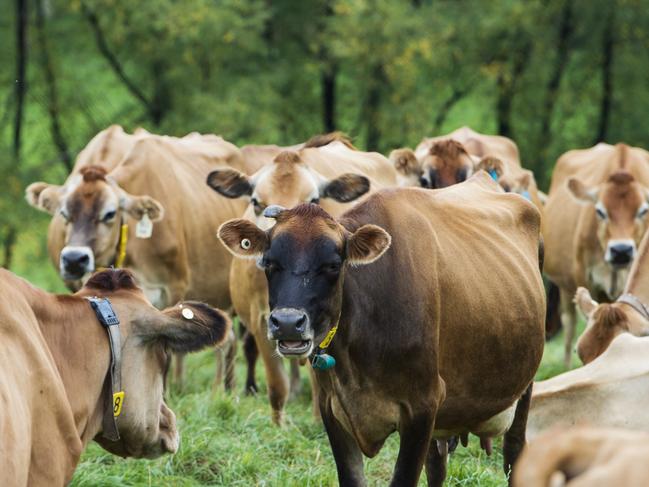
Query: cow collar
635, 303
113, 393
321, 360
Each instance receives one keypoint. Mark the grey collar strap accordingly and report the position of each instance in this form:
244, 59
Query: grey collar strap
635, 303
113, 382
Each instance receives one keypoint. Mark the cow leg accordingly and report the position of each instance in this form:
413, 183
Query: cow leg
315, 400
347, 454
230, 362
251, 353
276, 377
436, 465
569, 319
415, 434
179, 369
296, 383
514, 440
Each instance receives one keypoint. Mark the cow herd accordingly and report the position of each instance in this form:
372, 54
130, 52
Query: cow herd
410, 285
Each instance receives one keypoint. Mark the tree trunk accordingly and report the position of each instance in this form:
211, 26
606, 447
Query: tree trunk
161, 101
373, 107
8, 246
506, 84
21, 68
447, 106
566, 28
328, 82
608, 45
50, 81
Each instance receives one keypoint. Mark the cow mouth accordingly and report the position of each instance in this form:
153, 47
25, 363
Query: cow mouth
293, 347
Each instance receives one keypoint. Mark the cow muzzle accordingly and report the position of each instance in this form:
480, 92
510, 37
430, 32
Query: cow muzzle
75, 262
292, 330
620, 253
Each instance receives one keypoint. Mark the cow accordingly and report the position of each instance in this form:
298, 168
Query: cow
585, 456
55, 381
149, 214
328, 171
628, 314
394, 304
610, 391
596, 214
449, 159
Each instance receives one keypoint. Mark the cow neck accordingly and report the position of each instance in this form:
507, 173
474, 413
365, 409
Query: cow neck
81, 353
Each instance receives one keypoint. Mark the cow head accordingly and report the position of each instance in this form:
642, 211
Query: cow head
446, 163
620, 206
146, 424
93, 207
287, 182
304, 257
520, 183
407, 166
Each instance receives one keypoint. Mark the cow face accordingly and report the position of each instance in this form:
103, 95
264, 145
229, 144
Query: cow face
408, 168
446, 163
93, 207
304, 257
146, 424
287, 182
621, 208
605, 322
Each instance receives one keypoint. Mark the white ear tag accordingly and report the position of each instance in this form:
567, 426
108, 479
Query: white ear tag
144, 227
187, 313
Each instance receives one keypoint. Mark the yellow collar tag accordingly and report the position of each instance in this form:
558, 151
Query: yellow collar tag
330, 336
121, 249
118, 401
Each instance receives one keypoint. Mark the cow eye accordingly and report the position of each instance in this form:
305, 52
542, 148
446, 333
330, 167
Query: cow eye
330, 268
270, 265
109, 216
315, 201
64, 214
601, 212
259, 207
643, 210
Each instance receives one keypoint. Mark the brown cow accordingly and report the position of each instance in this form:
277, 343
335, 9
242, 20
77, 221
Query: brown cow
585, 457
596, 214
328, 171
160, 179
54, 361
628, 314
425, 345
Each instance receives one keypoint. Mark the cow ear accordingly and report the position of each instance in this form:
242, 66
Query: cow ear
581, 192
186, 327
491, 165
367, 244
138, 206
43, 196
405, 161
229, 183
243, 238
345, 188
584, 302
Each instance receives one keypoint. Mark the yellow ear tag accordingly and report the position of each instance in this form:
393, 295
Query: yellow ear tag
330, 336
118, 400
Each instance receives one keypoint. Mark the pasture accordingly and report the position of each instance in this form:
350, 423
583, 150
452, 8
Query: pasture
229, 440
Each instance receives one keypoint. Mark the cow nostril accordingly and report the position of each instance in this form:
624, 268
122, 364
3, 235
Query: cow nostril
300, 323
84, 259
274, 323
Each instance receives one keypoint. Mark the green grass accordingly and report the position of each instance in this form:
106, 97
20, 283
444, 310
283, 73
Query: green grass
228, 440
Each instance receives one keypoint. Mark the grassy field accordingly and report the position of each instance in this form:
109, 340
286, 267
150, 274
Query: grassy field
228, 440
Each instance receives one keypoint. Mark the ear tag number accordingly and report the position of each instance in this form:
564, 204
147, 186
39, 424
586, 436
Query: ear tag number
245, 244
144, 227
118, 401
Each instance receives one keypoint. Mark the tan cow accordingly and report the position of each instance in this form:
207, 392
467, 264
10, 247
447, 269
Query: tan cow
585, 457
610, 391
395, 305
628, 314
328, 171
595, 216
54, 362
158, 192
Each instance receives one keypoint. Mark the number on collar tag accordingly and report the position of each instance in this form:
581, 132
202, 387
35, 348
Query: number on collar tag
118, 401
144, 227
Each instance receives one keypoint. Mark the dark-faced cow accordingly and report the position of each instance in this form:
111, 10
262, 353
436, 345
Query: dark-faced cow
55, 359
596, 215
151, 213
328, 171
395, 305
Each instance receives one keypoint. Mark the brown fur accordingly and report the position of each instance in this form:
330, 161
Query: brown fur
288, 157
621, 177
326, 139
112, 280
93, 173
448, 149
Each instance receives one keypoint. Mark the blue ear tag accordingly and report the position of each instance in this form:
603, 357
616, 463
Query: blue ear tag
526, 194
493, 174
323, 361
